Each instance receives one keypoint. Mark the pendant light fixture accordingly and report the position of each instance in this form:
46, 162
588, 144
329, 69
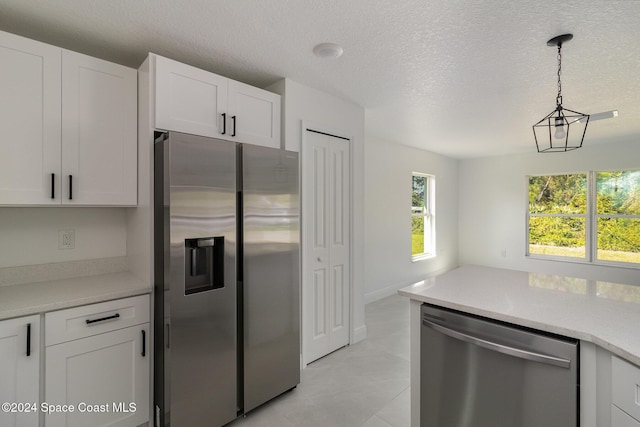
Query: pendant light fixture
562, 129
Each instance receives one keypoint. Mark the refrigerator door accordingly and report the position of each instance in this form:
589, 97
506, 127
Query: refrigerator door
200, 344
270, 281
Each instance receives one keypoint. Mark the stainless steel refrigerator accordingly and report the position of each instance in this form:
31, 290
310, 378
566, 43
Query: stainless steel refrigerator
226, 264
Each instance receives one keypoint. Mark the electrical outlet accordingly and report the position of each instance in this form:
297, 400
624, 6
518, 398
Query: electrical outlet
66, 239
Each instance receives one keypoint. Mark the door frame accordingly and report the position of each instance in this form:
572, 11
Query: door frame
306, 126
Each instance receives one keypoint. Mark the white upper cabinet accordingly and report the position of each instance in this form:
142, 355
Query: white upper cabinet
198, 102
30, 121
69, 126
188, 99
99, 132
254, 114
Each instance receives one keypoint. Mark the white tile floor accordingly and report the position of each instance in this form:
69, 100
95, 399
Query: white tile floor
366, 384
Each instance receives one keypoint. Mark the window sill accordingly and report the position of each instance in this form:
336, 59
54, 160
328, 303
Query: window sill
630, 265
422, 257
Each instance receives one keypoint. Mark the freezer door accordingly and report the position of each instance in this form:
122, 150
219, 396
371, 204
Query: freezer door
200, 281
271, 286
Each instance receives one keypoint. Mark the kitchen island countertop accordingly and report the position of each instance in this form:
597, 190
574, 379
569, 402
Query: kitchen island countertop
606, 314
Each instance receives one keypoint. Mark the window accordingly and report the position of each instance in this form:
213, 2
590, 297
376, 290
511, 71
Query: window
618, 216
593, 217
557, 215
422, 216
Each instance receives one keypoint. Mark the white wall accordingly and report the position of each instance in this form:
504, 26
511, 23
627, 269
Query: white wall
324, 112
493, 203
29, 236
388, 168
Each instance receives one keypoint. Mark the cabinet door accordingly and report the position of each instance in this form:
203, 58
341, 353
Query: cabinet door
625, 386
99, 132
19, 369
190, 100
254, 115
105, 377
30, 121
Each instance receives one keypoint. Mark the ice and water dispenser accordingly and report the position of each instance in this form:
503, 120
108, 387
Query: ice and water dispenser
204, 264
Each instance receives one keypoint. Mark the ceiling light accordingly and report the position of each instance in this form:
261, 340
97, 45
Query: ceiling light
554, 127
328, 50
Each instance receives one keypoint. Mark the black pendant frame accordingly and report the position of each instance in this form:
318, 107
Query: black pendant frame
545, 130
544, 127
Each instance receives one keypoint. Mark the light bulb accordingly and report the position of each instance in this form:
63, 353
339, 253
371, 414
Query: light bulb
560, 133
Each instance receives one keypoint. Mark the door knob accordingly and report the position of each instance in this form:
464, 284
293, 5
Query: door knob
320, 259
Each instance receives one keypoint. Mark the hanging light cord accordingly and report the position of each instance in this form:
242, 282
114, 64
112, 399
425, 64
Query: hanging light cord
559, 97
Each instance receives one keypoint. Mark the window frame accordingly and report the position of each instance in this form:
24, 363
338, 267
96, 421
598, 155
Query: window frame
591, 217
429, 216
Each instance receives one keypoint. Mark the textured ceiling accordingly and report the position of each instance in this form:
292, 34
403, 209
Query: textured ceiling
459, 77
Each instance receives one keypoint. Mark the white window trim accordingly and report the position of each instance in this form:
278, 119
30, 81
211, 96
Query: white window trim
429, 216
591, 226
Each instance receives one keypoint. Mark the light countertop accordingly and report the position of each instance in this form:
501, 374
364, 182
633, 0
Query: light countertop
606, 314
34, 298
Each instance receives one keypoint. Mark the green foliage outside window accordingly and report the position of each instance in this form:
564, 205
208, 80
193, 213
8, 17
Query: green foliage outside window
558, 220
421, 217
417, 208
618, 193
417, 235
558, 194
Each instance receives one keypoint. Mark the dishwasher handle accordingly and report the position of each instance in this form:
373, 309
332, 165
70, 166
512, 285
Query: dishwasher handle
500, 348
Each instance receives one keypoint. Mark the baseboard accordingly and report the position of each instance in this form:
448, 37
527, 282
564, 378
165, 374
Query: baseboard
359, 334
382, 293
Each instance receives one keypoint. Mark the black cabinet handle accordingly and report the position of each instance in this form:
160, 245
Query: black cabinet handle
102, 319
144, 343
70, 187
234, 125
28, 339
53, 185
224, 123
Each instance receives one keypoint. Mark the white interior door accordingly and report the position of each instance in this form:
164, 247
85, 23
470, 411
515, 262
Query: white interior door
325, 246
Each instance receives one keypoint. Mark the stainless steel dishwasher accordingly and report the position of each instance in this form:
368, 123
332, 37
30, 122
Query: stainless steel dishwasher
475, 372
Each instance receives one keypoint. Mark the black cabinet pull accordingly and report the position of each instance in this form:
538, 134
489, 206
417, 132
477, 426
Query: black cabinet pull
144, 343
234, 125
53, 185
224, 123
102, 319
70, 187
28, 339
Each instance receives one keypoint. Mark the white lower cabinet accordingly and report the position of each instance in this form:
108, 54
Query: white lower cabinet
625, 393
19, 371
102, 372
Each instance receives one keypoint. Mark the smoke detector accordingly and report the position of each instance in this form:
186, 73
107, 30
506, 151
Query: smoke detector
328, 50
